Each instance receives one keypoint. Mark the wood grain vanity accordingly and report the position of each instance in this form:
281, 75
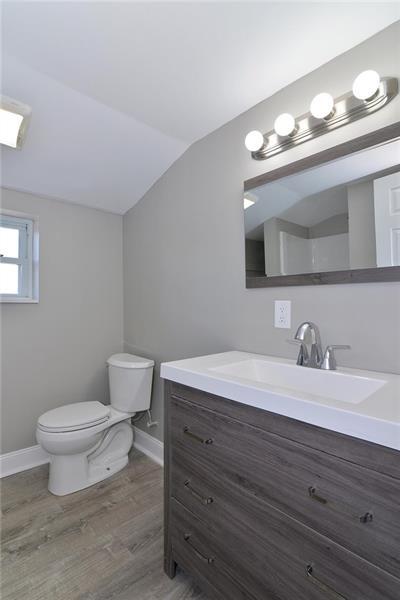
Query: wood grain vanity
260, 506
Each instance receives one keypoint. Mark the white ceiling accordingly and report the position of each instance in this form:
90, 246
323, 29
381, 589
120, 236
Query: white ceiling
119, 90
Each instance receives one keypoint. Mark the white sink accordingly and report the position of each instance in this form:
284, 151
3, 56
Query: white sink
363, 404
328, 384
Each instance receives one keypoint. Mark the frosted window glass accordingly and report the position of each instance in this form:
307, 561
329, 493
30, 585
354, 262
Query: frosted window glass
8, 278
9, 242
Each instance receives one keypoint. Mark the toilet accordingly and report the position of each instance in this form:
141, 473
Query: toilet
88, 441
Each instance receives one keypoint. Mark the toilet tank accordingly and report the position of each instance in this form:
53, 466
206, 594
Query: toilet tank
130, 380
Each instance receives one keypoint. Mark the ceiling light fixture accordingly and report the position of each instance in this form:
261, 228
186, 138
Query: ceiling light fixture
370, 93
285, 125
254, 141
366, 85
249, 199
322, 106
14, 119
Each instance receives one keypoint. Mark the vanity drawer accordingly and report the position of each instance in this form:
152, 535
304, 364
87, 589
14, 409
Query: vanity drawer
292, 562
355, 507
201, 556
360, 452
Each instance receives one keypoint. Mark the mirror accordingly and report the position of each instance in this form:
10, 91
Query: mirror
336, 221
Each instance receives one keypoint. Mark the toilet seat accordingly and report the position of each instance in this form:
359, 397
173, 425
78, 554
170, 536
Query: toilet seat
74, 417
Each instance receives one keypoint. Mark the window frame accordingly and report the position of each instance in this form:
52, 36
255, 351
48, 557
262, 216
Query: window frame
28, 256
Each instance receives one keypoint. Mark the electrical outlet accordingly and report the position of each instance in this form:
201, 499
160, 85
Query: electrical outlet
283, 313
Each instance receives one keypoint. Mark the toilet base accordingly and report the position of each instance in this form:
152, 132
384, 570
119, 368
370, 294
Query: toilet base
73, 472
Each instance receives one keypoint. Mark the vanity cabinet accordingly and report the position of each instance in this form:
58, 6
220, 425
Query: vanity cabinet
263, 507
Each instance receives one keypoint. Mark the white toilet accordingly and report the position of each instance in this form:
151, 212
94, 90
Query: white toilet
88, 441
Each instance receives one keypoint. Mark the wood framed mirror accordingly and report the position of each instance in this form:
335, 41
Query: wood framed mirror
333, 217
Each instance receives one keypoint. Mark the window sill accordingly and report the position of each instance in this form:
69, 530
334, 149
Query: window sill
5, 300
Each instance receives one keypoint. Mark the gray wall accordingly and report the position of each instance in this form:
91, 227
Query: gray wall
54, 352
184, 264
333, 226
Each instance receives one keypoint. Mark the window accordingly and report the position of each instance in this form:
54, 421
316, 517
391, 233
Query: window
18, 267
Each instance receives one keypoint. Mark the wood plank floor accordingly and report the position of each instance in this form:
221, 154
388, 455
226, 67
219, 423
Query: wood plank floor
103, 543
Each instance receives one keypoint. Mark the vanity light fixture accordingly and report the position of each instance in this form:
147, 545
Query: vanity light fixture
254, 141
370, 93
14, 119
366, 85
285, 125
322, 106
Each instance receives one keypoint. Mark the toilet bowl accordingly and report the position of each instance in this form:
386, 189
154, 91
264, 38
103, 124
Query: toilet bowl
88, 441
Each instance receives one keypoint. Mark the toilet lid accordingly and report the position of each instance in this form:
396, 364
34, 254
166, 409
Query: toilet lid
72, 417
129, 361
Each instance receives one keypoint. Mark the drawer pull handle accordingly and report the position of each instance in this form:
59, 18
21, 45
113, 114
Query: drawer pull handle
207, 559
367, 517
321, 585
187, 431
313, 494
195, 493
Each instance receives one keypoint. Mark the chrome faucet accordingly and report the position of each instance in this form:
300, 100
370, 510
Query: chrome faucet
315, 357
308, 330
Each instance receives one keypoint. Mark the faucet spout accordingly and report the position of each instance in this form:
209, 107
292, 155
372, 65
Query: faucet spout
307, 335
309, 331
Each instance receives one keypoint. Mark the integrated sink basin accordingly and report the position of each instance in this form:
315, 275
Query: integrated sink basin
327, 384
363, 404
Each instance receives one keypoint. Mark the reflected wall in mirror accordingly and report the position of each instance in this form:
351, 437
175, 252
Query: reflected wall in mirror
327, 223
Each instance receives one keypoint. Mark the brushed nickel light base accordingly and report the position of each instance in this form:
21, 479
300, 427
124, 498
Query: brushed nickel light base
347, 109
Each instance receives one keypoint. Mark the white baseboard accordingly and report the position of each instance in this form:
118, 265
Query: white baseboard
149, 445
21, 460
27, 458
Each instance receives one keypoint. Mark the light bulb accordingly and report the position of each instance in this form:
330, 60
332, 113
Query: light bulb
285, 124
366, 84
321, 106
254, 141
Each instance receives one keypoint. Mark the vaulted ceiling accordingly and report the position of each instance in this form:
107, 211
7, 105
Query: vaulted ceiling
119, 90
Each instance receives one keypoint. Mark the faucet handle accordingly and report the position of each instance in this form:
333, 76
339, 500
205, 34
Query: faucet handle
329, 360
303, 356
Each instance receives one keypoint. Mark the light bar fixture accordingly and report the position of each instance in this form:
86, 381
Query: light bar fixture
369, 94
14, 120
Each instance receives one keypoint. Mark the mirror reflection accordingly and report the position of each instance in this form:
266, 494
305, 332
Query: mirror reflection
341, 215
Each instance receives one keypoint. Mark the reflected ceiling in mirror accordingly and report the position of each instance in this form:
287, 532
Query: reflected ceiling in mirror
339, 216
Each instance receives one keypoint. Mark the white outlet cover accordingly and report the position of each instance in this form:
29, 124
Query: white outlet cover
283, 309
